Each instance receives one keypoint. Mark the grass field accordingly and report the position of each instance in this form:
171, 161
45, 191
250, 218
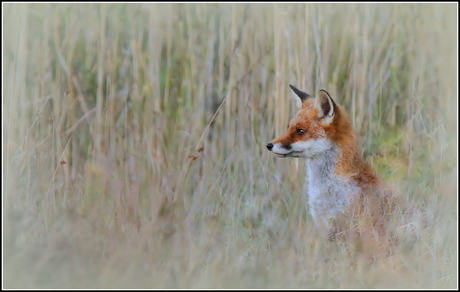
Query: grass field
118, 173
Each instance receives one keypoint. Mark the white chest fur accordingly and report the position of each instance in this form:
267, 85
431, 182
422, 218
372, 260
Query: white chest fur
328, 193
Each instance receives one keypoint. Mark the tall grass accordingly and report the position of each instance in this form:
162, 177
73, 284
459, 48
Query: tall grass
133, 141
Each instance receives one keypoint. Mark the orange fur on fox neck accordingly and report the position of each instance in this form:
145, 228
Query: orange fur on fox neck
349, 161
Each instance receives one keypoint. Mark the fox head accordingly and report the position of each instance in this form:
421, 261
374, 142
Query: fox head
317, 127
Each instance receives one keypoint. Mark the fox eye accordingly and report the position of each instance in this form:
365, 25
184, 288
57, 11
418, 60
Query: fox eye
300, 131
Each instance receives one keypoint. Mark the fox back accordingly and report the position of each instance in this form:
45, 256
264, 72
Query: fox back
338, 176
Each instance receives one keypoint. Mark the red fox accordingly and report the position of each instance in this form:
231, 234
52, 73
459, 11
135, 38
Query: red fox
338, 176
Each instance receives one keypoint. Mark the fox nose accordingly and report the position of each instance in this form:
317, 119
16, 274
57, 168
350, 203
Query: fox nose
270, 146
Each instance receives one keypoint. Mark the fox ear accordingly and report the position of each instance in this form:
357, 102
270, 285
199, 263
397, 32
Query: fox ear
326, 105
303, 96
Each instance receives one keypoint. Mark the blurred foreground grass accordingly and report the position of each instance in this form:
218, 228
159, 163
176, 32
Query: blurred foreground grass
106, 107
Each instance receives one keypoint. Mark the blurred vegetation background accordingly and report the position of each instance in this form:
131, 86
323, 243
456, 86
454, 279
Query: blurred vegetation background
134, 142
